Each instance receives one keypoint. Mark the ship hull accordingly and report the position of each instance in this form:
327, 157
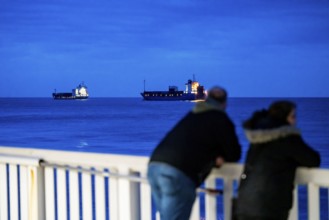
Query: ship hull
67, 96
163, 96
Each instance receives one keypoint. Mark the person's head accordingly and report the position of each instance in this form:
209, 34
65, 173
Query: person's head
284, 111
218, 96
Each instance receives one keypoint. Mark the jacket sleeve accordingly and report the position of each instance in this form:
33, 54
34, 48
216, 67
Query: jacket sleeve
304, 155
231, 148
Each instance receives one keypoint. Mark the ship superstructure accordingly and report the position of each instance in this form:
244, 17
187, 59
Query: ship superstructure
80, 92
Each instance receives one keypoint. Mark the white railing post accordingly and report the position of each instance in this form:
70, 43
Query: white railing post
313, 201
145, 198
36, 193
210, 200
61, 194
13, 200
100, 196
293, 214
195, 215
113, 195
125, 196
3, 192
86, 196
24, 192
227, 198
50, 193
74, 194
135, 197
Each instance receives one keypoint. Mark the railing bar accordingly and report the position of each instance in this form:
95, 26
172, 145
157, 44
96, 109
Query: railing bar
210, 191
74, 195
36, 176
306, 176
3, 192
113, 189
145, 200
126, 208
86, 197
96, 172
13, 159
313, 201
195, 214
13, 191
293, 214
100, 197
228, 195
210, 201
24, 193
19, 191
61, 194
50, 193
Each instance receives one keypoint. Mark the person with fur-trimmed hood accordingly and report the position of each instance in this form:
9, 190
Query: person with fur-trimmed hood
276, 150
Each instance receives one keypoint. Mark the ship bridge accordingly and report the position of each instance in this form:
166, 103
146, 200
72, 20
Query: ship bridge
80, 91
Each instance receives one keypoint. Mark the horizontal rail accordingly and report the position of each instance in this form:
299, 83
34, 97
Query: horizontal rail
94, 172
79, 158
22, 160
115, 186
117, 175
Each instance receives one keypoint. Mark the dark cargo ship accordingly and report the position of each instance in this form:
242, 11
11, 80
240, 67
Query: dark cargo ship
193, 91
80, 92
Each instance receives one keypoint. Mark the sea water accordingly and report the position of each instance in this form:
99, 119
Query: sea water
133, 126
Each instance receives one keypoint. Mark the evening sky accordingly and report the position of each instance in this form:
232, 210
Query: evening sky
254, 48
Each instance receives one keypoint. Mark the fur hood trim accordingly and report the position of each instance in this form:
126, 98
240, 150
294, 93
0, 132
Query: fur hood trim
205, 106
260, 136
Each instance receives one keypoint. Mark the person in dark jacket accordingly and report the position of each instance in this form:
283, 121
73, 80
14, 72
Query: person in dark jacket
276, 150
202, 139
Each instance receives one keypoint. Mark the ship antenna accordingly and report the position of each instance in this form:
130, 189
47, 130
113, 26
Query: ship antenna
144, 85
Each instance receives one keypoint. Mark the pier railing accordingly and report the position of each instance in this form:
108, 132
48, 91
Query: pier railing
55, 185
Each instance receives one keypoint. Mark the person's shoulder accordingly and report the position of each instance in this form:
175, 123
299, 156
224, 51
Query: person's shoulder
293, 137
294, 141
217, 113
221, 117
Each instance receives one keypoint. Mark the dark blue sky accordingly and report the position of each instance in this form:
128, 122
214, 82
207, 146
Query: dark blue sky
259, 48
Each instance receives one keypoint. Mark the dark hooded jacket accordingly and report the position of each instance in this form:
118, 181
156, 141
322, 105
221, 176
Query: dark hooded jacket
193, 145
267, 182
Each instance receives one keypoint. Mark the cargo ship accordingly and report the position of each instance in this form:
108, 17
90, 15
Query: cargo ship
193, 91
80, 92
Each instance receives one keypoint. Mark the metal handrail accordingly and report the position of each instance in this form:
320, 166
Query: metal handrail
132, 178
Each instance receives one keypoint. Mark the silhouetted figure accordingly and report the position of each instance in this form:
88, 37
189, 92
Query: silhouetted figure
276, 150
204, 138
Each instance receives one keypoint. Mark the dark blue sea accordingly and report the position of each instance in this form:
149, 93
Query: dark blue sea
133, 126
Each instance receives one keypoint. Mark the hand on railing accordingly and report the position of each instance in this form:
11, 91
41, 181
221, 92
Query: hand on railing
213, 192
219, 161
